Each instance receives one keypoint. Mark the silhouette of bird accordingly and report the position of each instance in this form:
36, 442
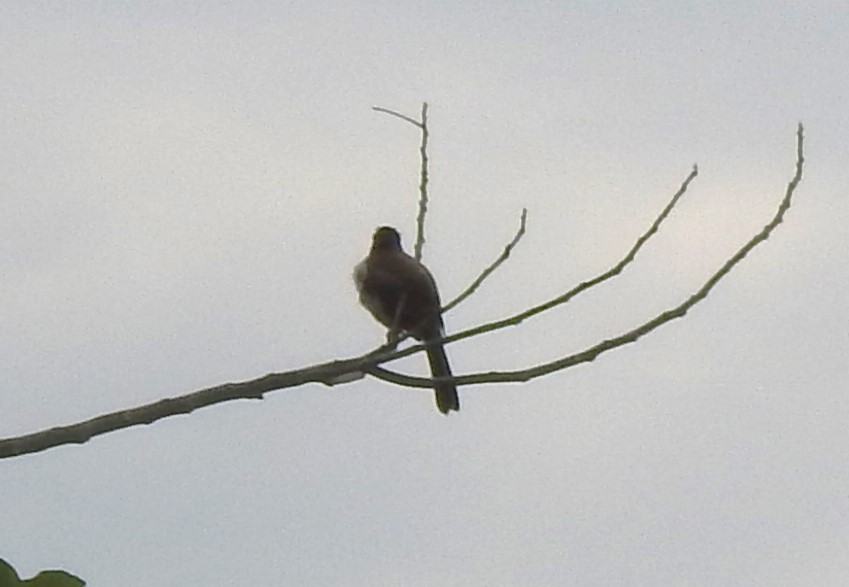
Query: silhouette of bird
401, 294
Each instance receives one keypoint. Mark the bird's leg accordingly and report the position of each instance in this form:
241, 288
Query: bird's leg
393, 337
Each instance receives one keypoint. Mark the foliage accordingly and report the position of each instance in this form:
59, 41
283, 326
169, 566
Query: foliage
9, 578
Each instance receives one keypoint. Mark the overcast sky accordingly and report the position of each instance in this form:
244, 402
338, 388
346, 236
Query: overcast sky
186, 186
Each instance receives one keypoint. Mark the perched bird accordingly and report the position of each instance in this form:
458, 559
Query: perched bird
401, 294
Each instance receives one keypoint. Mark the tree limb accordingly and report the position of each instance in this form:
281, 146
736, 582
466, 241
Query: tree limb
344, 370
591, 353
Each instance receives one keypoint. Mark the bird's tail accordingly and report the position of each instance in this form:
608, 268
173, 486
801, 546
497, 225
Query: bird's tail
446, 393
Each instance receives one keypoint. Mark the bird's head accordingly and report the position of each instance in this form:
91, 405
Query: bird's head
386, 238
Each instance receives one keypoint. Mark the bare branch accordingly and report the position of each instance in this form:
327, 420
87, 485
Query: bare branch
345, 370
397, 115
423, 198
488, 271
581, 287
328, 373
591, 353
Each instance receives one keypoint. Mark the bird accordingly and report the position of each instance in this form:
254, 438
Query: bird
401, 294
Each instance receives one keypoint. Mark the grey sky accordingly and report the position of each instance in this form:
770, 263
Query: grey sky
185, 190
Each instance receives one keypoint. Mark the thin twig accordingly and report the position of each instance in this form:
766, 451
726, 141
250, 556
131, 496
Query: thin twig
423, 197
397, 115
488, 271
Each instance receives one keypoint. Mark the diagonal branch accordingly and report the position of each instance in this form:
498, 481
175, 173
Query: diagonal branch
505, 254
329, 373
581, 287
488, 271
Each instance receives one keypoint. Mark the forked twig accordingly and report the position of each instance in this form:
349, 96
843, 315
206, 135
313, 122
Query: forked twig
423, 198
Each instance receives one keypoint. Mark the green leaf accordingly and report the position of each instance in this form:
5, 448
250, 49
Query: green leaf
10, 578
